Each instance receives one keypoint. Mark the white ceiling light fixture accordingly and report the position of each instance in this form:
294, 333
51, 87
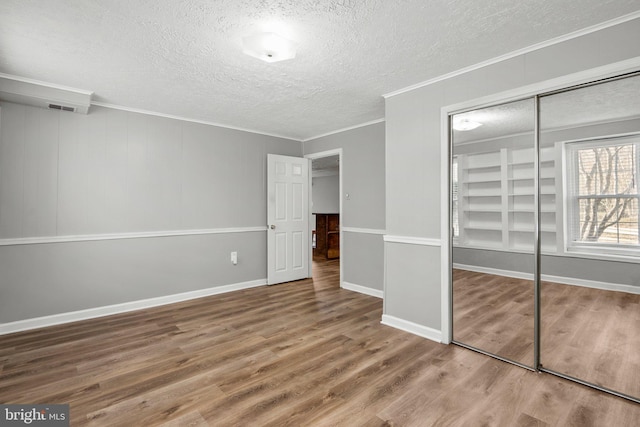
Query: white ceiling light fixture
269, 47
465, 124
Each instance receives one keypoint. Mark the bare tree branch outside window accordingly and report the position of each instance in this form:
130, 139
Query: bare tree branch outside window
607, 194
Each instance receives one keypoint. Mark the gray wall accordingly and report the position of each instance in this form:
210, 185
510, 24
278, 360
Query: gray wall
363, 177
326, 194
111, 172
596, 270
413, 133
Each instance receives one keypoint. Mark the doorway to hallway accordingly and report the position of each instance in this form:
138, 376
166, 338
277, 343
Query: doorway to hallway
325, 208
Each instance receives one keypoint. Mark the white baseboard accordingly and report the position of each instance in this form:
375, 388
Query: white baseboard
362, 289
412, 328
606, 286
496, 271
91, 313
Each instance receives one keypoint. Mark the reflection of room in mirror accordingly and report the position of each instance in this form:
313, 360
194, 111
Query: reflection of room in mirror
584, 192
493, 206
590, 325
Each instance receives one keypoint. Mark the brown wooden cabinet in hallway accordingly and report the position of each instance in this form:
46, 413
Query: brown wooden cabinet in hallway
327, 236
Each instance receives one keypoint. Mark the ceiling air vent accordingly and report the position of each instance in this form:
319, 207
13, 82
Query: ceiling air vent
61, 107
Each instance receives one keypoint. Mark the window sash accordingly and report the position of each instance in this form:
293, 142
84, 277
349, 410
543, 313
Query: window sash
574, 218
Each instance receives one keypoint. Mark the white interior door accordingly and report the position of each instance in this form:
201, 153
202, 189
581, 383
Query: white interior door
287, 218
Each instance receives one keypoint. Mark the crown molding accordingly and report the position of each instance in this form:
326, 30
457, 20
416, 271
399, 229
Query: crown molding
372, 122
186, 119
46, 84
575, 34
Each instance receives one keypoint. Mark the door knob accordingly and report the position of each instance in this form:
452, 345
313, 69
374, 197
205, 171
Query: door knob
273, 227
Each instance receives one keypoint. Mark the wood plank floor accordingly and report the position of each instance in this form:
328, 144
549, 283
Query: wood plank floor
494, 313
302, 354
592, 334
587, 333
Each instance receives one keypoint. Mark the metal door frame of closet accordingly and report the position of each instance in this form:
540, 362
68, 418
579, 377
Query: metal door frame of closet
537, 366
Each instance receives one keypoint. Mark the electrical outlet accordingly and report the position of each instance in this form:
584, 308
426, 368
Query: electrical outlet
234, 258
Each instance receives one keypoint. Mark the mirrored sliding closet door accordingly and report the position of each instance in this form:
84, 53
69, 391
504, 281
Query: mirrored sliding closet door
590, 239
545, 215
493, 211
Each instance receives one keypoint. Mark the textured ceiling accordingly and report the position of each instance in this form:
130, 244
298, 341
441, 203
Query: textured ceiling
606, 102
184, 57
325, 166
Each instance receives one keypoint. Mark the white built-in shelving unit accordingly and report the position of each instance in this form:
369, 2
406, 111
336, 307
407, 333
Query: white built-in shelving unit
496, 199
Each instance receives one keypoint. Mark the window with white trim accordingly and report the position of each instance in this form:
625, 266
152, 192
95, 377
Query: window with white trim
603, 195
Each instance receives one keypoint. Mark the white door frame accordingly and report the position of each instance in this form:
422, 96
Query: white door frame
320, 155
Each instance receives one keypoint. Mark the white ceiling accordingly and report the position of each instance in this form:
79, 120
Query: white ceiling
184, 57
